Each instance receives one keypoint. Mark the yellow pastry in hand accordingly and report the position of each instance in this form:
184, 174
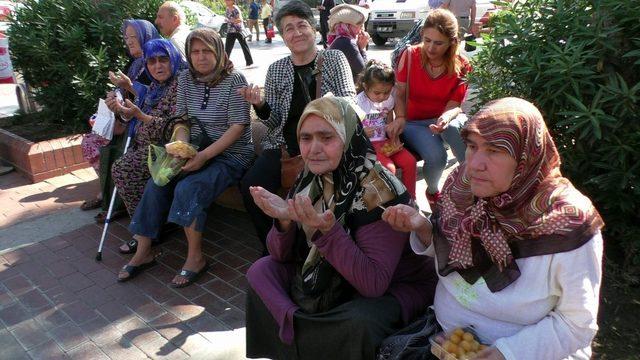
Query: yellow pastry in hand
181, 149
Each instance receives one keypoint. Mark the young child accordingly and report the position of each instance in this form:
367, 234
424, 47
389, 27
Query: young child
376, 98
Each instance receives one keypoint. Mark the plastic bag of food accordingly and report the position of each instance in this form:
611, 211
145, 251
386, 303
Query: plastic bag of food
163, 167
166, 162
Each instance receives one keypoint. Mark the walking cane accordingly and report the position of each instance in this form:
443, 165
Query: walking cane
130, 133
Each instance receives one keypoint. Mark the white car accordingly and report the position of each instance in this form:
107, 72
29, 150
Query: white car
394, 18
206, 17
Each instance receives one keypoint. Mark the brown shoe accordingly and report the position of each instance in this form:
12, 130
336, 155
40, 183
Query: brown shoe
102, 216
91, 204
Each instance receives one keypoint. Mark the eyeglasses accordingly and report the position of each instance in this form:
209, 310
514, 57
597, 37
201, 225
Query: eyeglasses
156, 59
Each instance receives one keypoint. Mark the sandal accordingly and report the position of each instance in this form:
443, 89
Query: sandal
190, 276
102, 216
134, 270
91, 204
132, 244
132, 247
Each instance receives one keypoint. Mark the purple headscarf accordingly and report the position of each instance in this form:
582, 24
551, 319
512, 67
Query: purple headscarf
149, 97
145, 31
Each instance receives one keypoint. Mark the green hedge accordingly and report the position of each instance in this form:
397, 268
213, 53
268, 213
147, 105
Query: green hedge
65, 48
579, 62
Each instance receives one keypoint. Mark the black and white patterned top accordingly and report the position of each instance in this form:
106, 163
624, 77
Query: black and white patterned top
217, 108
278, 88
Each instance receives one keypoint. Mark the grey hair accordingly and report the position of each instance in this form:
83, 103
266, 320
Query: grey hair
175, 9
294, 8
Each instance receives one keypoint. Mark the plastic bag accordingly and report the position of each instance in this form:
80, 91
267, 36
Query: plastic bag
103, 121
163, 167
270, 31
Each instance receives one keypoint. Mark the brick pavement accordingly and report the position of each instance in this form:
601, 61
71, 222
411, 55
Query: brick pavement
22, 200
56, 301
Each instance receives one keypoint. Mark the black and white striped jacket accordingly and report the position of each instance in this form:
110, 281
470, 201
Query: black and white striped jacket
278, 88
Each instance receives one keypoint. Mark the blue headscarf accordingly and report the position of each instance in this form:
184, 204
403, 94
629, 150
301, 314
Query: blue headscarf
149, 97
145, 31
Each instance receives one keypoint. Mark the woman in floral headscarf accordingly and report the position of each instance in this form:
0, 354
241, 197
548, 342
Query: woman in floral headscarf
518, 249
135, 33
152, 109
336, 270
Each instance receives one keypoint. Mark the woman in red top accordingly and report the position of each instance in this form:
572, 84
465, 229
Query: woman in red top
428, 114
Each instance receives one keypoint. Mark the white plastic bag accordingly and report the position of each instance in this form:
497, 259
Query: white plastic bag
104, 121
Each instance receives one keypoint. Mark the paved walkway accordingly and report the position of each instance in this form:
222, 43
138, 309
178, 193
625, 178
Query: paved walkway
56, 301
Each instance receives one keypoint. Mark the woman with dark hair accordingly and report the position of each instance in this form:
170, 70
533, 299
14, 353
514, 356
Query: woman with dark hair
290, 85
235, 27
101, 152
207, 92
430, 88
518, 249
339, 279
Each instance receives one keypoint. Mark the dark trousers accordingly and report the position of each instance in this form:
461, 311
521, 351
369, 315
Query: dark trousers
108, 155
265, 172
265, 25
324, 27
231, 41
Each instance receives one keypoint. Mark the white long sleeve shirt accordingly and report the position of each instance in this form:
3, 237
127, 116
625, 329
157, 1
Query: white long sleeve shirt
549, 312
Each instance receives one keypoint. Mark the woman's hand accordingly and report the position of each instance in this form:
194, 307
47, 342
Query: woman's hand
271, 204
445, 119
120, 80
130, 110
196, 162
403, 218
113, 103
490, 353
301, 210
441, 124
396, 127
252, 94
363, 39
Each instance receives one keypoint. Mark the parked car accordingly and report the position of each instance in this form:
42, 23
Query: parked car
206, 17
394, 18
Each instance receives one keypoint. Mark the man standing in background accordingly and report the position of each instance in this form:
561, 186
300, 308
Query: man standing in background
172, 24
465, 12
324, 8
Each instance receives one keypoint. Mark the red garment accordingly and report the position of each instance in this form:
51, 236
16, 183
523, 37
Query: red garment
403, 160
428, 97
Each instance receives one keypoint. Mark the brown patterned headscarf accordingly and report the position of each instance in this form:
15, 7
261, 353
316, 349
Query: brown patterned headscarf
541, 212
223, 66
